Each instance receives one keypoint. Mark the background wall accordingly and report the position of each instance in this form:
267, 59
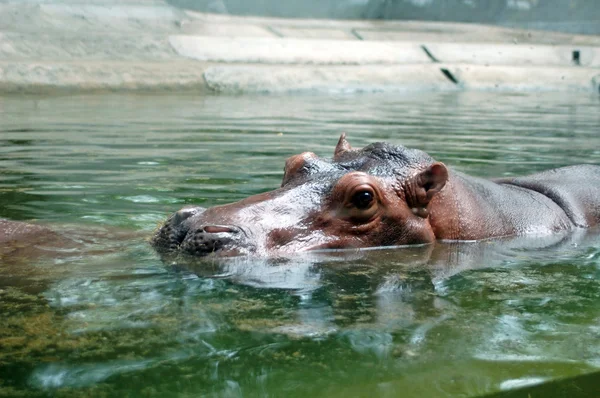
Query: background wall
574, 16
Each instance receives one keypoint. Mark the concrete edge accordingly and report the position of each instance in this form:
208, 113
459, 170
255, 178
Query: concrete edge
265, 50
233, 79
197, 77
91, 77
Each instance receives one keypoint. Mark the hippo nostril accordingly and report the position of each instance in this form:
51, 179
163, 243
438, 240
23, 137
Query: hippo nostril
215, 229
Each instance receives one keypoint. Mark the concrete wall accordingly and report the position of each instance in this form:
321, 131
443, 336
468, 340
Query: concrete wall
51, 46
573, 16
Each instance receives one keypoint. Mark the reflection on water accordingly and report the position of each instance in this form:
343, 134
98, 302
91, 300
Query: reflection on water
442, 320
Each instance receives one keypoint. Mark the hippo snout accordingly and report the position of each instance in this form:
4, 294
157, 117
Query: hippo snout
175, 229
208, 239
188, 232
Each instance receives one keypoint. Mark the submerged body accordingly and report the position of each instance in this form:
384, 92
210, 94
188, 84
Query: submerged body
383, 195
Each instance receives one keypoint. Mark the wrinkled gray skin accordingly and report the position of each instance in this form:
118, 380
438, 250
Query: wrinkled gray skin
383, 195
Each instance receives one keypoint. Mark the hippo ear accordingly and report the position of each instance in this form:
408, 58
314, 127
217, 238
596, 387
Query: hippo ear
342, 147
428, 183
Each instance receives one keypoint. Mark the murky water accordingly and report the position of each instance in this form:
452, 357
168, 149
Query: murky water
449, 320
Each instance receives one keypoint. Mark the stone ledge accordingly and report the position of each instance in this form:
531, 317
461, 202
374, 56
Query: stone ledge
57, 77
397, 78
296, 51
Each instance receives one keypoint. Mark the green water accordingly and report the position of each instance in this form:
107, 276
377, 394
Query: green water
111, 318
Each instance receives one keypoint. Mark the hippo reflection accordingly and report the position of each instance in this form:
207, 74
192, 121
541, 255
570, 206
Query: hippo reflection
383, 195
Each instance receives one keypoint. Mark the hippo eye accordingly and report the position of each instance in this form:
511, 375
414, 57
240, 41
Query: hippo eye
357, 198
363, 199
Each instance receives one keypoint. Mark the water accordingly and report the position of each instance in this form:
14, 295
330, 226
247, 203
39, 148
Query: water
112, 318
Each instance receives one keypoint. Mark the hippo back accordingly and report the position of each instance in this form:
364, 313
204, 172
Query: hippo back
576, 189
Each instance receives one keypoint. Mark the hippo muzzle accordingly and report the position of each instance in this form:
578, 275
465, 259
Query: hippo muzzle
186, 232
212, 239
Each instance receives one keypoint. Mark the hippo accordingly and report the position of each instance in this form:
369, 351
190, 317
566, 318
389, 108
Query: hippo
383, 195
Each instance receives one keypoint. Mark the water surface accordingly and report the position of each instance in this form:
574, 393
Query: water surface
448, 320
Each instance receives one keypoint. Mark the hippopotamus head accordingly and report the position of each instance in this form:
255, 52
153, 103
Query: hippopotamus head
375, 196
